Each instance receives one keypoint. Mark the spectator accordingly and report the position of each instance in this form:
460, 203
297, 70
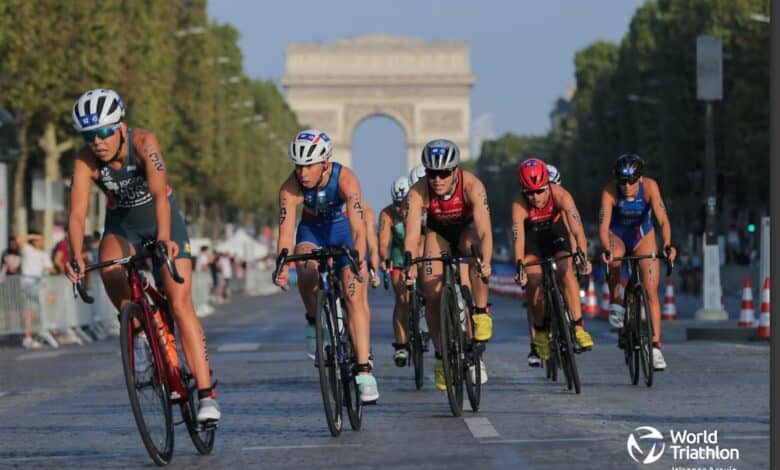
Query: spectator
214, 268
61, 254
226, 274
202, 263
11, 259
35, 263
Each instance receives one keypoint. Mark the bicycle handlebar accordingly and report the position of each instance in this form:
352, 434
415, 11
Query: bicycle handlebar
320, 255
157, 250
444, 258
669, 263
520, 265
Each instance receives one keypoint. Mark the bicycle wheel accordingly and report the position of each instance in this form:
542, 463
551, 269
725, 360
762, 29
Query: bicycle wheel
148, 390
202, 437
452, 355
645, 335
630, 327
472, 356
327, 355
415, 338
351, 392
562, 326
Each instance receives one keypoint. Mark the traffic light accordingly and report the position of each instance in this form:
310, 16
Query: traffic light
751, 228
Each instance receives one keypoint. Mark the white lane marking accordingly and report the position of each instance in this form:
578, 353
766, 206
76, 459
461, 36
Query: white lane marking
534, 441
39, 355
481, 428
62, 457
752, 347
301, 446
238, 347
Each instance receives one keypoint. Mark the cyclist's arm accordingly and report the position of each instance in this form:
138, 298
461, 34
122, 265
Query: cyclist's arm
476, 194
385, 228
572, 216
659, 210
349, 189
413, 227
290, 197
156, 177
371, 236
519, 215
79, 204
605, 218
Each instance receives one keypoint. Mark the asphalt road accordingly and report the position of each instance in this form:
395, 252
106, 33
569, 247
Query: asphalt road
68, 407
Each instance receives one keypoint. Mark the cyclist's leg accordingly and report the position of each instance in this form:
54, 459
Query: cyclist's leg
308, 238
479, 288
650, 272
618, 249
535, 310
432, 276
401, 309
113, 246
355, 294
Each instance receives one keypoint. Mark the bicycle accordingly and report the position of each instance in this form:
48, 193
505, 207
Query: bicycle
460, 353
336, 358
557, 315
167, 382
638, 330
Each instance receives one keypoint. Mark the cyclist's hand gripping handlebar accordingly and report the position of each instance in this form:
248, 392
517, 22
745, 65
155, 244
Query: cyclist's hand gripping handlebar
162, 252
79, 286
386, 279
478, 260
281, 260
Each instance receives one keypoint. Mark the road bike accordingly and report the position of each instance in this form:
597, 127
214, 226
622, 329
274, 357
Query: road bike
336, 358
167, 381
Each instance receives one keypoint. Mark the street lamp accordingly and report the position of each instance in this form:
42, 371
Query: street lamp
190, 31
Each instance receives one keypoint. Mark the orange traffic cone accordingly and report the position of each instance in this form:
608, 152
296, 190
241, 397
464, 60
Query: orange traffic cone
762, 332
605, 301
670, 309
746, 311
591, 308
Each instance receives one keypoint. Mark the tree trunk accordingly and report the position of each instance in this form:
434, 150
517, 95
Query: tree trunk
53, 151
19, 206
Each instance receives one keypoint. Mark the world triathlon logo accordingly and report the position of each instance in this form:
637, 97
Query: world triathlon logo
645, 445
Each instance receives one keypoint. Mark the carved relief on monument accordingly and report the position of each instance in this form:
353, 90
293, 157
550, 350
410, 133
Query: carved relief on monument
319, 118
437, 120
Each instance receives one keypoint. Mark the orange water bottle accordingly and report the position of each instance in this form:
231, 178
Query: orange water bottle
166, 338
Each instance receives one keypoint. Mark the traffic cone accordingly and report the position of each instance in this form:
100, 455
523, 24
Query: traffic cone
591, 308
670, 309
746, 311
762, 332
605, 301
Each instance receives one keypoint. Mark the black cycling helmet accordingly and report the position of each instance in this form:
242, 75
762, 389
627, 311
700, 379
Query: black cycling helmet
629, 165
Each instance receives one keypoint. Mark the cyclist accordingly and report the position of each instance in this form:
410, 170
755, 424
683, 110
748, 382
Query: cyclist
533, 357
626, 226
127, 165
324, 188
544, 218
457, 218
391, 249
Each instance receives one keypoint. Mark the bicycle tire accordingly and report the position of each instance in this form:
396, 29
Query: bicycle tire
415, 339
159, 448
328, 368
452, 358
473, 385
202, 438
645, 327
566, 343
630, 331
351, 392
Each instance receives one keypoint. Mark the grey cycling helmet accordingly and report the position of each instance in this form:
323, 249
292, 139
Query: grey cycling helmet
440, 154
553, 174
399, 189
97, 108
417, 172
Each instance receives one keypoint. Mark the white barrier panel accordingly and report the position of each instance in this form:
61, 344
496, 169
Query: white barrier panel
11, 306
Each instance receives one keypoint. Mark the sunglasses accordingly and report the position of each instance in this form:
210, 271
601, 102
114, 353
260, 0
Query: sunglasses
627, 181
441, 174
102, 132
535, 192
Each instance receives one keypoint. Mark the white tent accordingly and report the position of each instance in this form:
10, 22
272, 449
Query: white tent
243, 246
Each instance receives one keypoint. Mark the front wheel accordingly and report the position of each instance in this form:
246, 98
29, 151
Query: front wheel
327, 356
148, 388
645, 335
452, 354
416, 340
472, 365
630, 333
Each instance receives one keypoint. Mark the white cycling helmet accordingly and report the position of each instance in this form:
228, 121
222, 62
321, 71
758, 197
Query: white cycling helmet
417, 172
97, 108
553, 174
399, 189
440, 154
310, 146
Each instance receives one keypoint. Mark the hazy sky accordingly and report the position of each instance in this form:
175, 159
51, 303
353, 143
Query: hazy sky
522, 54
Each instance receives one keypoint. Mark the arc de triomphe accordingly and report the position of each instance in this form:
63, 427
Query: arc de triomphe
425, 87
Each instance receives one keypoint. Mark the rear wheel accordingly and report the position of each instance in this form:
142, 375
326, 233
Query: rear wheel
148, 389
351, 392
472, 355
202, 436
415, 338
452, 355
330, 377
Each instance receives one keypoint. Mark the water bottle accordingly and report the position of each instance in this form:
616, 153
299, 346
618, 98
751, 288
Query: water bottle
461, 309
340, 317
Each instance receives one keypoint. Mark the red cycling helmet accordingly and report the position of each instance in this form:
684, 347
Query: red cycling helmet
532, 174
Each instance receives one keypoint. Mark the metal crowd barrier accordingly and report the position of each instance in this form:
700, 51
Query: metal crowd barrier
57, 309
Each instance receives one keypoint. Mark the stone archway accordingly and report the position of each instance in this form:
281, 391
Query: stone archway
425, 87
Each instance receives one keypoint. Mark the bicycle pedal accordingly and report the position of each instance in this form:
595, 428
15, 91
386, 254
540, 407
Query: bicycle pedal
373, 402
209, 425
